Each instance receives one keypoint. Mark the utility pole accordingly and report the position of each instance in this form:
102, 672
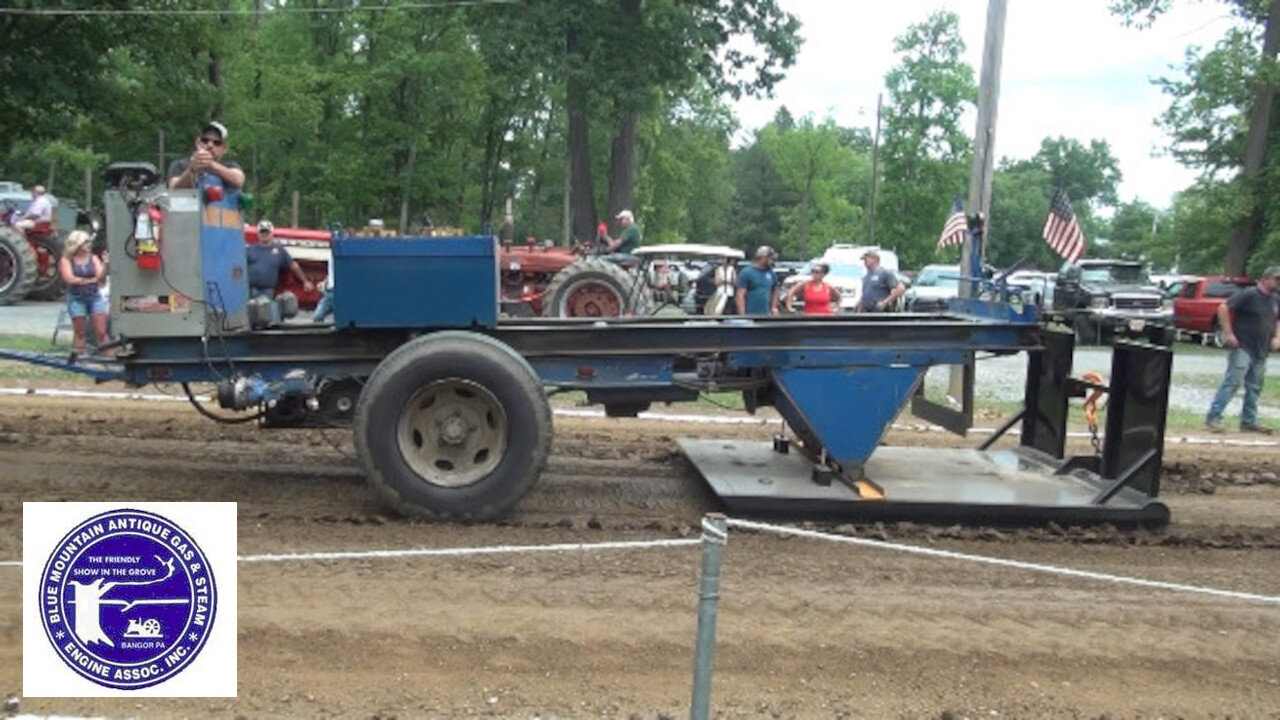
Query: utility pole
875, 172
984, 137
960, 387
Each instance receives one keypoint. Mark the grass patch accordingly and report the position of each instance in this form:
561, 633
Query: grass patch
17, 370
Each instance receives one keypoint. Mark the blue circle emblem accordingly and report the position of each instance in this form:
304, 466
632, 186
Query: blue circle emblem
127, 599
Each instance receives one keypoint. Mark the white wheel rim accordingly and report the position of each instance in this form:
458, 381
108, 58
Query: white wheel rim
452, 433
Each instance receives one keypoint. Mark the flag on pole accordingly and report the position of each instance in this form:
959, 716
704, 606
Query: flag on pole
956, 231
1061, 230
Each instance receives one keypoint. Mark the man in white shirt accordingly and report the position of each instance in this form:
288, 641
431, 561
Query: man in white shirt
39, 211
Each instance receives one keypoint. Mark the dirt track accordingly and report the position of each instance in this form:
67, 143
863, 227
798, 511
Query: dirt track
807, 629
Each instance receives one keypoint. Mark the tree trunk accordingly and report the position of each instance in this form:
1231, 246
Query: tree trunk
582, 201
622, 165
622, 154
1248, 229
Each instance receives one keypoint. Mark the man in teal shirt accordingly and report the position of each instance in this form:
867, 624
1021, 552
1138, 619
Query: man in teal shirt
757, 292
630, 239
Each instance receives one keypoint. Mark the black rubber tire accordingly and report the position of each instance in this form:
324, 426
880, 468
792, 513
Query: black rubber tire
471, 368
617, 286
1087, 332
50, 285
17, 266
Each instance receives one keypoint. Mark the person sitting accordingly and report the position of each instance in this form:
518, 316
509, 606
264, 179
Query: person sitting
324, 308
621, 248
266, 258
208, 157
818, 296
39, 212
83, 274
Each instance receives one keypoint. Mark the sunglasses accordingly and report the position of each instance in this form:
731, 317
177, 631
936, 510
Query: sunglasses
210, 141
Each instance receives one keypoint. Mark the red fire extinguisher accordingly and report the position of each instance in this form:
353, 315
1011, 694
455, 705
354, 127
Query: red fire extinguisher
146, 231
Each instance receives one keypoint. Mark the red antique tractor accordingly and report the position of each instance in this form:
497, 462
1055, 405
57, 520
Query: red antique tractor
28, 261
550, 281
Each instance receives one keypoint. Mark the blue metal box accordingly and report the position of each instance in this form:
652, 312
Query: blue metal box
415, 282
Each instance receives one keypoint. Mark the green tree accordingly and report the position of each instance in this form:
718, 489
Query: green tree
926, 153
1221, 119
817, 167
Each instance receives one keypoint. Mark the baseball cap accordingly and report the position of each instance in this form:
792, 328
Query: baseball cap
765, 251
626, 214
217, 127
266, 226
1273, 271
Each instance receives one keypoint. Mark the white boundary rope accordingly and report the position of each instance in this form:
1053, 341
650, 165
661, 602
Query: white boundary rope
463, 552
746, 525
1001, 562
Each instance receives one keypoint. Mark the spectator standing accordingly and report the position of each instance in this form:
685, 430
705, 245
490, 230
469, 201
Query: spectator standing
1248, 320
880, 287
39, 211
83, 273
757, 285
208, 157
724, 277
266, 259
818, 296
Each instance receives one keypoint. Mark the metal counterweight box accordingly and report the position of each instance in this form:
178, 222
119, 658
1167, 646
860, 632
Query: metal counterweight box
415, 282
192, 283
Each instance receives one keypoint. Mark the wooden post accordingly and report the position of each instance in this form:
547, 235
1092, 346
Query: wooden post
293, 215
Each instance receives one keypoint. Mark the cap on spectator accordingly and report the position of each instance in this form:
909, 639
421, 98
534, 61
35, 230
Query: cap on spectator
765, 251
217, 127
626, 214
1273, 271
265, 226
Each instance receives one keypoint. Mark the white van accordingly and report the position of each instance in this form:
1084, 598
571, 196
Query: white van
846, 254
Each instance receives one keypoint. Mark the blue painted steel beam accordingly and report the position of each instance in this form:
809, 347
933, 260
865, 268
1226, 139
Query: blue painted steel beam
102, 371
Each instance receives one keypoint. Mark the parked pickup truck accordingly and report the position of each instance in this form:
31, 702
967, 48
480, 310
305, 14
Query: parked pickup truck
1102, 299
1195, 309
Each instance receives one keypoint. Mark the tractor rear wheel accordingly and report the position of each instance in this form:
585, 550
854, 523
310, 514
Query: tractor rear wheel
592, 287
453, 425
17, 266
47, 284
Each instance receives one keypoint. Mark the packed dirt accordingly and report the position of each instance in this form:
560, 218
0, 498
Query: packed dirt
807, 628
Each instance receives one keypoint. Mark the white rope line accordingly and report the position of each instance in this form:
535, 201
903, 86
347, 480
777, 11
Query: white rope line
1001, 562
463, 552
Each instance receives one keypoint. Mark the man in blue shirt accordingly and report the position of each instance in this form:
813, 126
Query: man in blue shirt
757, 285
265, 261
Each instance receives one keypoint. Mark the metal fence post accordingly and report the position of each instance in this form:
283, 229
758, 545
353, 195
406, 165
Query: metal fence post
714, 537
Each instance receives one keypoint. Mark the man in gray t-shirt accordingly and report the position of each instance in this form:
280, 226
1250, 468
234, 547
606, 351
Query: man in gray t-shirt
1248, 320
880, 287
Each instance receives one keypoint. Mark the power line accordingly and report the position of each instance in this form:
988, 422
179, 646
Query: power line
204, 11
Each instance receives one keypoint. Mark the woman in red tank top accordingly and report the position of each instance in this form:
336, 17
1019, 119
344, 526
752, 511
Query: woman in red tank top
818, 295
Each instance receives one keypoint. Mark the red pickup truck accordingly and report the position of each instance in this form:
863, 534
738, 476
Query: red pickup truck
1195, 308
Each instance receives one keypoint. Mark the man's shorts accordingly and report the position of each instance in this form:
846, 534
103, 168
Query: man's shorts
84, 307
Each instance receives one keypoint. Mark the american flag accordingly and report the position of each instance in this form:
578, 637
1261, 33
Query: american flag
1061, 230
956, 229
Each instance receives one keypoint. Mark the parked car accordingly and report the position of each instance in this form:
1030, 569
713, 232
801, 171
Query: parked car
1195, 309
1101, 299
1037, 287
932, 287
